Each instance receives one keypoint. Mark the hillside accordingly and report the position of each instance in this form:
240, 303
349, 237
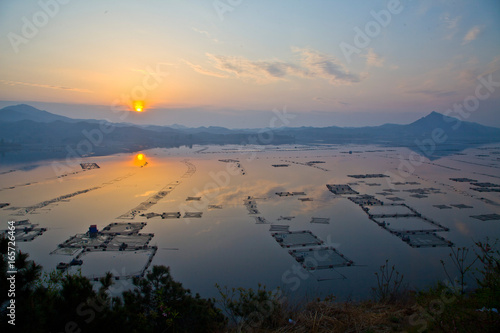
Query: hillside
27, 128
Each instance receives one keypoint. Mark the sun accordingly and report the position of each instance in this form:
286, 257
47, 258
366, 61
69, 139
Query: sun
140, 160
139, 106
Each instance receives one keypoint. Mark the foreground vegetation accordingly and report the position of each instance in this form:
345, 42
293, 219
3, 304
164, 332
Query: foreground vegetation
156, 303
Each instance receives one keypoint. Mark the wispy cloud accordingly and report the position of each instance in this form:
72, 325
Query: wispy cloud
450, 22
329, 101
451, 25
47, 86
311, 64
206, 34
260, 71
471, 35
492, 66
373, 59
436, 93
468, 71
452, 79
319, 65
204, 71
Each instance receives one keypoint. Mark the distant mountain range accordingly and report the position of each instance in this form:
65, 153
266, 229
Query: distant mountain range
24, 128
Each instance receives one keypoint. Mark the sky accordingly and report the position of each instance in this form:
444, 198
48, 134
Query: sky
237, 63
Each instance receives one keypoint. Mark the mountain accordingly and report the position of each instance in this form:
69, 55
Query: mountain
29, 134
24, 128
430, 127
27, 112
453, 128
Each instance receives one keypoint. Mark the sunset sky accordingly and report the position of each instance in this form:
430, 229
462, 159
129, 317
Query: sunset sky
231, 62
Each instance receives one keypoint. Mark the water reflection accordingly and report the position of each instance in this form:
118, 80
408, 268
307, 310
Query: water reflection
227, 245
140, 160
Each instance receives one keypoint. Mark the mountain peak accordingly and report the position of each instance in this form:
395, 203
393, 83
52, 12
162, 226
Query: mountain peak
23, 108
434, 114
434, 119
27, 112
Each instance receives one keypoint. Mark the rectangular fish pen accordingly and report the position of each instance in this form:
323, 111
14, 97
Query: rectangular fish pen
320, 258
297, 238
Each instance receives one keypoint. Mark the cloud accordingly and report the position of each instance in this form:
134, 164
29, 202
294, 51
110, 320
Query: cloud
260, 71
471, 35
315, 64
48, 86
451, 25
492, 66
436, 93
203, 71
311, 64
373, 59
468, 71
329, 101
468, 75
206, 34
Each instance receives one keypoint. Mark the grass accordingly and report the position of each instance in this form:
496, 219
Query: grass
425, 311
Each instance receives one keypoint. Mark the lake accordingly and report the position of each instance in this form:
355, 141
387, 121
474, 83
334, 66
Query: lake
234, 188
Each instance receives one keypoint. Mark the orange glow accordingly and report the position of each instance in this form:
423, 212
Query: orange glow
138, 106
140, 160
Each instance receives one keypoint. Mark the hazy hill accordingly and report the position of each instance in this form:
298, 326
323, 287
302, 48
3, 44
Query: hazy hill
23, 127
26, 112
421, 129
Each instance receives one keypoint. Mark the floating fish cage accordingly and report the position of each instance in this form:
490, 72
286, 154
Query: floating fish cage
390, 210
486, 217
261, 220
320, 258
366, 200
297, 238
129, 242
123, 228
321, 220
151, 201
341, 189
85, 241
89, 166
171, 215
424, 239
279, 227
410, 224
188, 215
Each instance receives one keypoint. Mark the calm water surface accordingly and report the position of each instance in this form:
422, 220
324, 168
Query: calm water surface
225, 245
